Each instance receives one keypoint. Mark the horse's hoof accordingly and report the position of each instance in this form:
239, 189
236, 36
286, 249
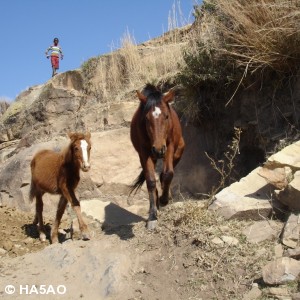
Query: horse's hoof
151, 224
42, 237
163, 201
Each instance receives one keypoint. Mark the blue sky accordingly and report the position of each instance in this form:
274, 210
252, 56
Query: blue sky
85, 29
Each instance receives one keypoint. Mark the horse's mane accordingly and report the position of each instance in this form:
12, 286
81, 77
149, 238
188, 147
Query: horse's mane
153, 95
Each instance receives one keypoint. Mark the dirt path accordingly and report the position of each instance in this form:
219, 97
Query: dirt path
176, 261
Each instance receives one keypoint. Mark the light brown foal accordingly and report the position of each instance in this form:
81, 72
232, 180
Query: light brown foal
59, 173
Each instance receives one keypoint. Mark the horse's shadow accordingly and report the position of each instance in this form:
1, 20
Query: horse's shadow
119, 221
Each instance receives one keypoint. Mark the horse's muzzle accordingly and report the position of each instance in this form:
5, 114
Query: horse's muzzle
159, 153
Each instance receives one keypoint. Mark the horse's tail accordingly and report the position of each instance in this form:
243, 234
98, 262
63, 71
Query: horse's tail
137, 184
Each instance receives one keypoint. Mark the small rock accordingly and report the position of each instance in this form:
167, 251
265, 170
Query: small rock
229, 240
217, 241
281, 271
2, 251
7, 245
296, 296
278, 177
28, 241
279, 292
255, 234
291, 231
278, 250
253, 294
293, 253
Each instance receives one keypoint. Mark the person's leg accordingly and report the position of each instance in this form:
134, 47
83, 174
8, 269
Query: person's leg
54, 63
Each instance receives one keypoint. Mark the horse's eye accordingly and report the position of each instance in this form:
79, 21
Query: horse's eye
167, 117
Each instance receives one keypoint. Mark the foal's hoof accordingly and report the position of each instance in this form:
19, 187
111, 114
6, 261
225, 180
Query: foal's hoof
151, 224
42, 237
85, 236
54, 240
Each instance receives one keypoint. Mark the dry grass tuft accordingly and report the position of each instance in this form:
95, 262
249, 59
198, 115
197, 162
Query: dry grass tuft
132, 65
260, 34
237, 44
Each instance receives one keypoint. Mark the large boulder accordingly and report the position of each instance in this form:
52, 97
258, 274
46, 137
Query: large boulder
247, 199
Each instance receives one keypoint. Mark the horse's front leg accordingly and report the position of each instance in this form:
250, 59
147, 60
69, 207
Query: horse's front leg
60, 211
149, 171
70, 196
166, 176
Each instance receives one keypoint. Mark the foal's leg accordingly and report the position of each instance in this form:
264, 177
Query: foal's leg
70, 196
59, 213
39, 217
82, 226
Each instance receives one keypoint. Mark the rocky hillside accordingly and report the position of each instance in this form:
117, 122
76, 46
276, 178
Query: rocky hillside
243, 245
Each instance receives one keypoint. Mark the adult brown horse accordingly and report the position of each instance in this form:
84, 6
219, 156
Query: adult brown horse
156, 134
59, 173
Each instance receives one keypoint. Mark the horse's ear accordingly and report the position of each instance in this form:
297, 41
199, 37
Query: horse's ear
142, 97
168, 96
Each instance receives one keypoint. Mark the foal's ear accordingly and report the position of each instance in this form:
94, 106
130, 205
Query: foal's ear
168, 96
88, 135
142, 97
72, 135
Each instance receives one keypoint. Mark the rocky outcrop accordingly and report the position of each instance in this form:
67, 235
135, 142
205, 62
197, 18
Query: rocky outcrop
43, 112
275, 184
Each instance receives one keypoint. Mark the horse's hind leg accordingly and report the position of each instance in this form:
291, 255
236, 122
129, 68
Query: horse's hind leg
59, 213
39, 217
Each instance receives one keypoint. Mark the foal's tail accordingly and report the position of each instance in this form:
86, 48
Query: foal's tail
137, 183
31, 192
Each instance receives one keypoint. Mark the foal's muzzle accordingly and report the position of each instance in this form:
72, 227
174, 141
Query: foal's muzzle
159, 153
85, 167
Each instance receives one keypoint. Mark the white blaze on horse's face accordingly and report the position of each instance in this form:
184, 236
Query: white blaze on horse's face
85, 157
156, 113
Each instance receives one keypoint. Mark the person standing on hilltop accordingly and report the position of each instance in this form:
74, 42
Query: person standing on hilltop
56, 53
